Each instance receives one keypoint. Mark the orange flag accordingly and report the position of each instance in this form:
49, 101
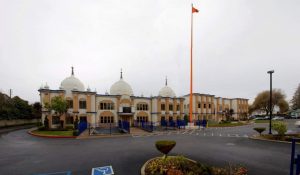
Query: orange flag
194, 10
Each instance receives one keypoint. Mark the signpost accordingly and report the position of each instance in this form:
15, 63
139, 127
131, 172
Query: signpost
105, 170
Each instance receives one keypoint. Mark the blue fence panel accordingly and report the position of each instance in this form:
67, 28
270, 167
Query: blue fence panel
204, 123
124, 126
163, 123
294, 159
82, 126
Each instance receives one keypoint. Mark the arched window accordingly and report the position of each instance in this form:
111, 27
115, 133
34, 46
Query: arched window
106, 105
142, 107
106, 119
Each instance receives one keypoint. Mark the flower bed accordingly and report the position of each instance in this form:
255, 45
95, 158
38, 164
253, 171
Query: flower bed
179, 165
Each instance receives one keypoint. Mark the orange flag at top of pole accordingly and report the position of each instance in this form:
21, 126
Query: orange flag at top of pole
194, 10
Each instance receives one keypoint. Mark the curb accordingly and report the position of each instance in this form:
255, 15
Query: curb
48, 136
103, 136
278, 141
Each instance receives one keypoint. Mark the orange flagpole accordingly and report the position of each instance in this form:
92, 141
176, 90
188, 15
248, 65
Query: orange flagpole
191, 76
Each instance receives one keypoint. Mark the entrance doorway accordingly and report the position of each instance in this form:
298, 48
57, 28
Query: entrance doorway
83, 119
128, 119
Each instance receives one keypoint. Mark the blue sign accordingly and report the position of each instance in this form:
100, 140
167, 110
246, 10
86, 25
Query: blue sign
105, 170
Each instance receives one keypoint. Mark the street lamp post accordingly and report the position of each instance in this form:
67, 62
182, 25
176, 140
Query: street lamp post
270, 104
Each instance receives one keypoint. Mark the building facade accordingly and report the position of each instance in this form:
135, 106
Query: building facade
121, 104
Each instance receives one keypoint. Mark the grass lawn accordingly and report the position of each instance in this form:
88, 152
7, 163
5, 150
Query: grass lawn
225, 124
261, 121
54, 133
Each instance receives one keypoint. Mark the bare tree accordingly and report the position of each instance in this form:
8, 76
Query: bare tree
262, 101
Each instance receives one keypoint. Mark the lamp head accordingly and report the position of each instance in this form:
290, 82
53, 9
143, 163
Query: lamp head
271, 71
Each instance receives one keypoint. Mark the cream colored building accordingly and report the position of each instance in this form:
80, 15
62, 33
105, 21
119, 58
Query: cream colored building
121, 104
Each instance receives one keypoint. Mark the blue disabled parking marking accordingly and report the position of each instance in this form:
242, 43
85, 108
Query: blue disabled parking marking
57, 173
105, 170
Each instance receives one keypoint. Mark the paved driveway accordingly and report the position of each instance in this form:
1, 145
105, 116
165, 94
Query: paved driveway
25, 154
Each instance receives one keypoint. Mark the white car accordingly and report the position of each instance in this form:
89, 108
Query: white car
278, 118
297, 123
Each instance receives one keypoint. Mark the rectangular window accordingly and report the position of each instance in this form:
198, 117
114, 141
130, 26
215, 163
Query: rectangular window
82, 104
105, 119
163, 107
70, 103
171, 107
112, 106
209, 106
55, 120
104, 106
204, 105
69, 120
101, 120
199, 105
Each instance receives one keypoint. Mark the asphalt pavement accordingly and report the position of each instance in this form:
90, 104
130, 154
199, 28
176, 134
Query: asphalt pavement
23, 154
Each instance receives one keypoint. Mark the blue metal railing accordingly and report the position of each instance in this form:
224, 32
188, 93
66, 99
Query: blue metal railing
294, 160
124, 126
82, 126
202, 123
173, 124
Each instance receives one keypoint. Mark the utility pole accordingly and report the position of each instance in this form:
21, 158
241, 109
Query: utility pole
270, 105
10, 93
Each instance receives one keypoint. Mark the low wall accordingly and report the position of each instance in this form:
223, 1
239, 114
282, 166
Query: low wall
5, 123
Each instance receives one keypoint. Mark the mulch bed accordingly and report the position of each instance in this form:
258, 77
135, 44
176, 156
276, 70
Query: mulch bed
179, 165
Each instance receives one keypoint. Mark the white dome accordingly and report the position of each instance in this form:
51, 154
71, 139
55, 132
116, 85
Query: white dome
121, 87
166, 92
72, 83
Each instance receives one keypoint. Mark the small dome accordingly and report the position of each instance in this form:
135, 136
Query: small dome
46, 86
88, 89
121, 87
166, 91
72, 83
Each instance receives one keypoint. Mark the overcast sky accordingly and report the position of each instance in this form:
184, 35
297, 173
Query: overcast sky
235, 43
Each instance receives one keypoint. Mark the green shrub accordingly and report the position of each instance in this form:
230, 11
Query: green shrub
75, 132
42, 128
38, 124
280, 127
165, 146
260, 129
69, 128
